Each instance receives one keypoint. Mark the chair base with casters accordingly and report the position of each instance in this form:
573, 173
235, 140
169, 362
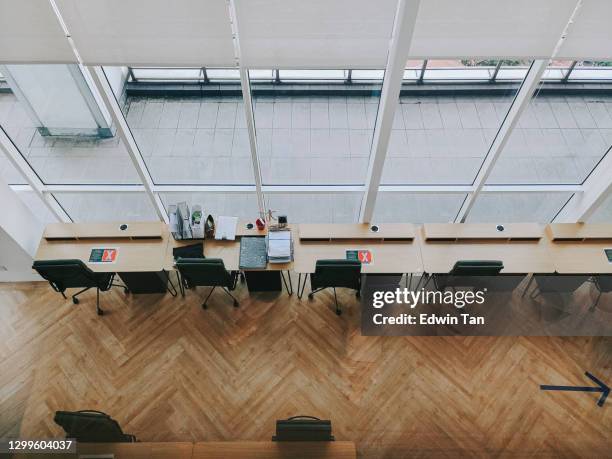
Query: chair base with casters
100, 311
335, 274
64, 274
338, 310
224, 289
207, 272
603, 284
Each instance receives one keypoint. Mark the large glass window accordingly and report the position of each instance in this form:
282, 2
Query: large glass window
417, 207
316, 207
243, 205
107, 206
560, 137
190, 136
53, 120
441, 134
313, 127
517, 207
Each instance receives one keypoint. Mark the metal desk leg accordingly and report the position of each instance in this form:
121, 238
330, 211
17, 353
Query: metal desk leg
528, 285
418, 285
289, 287
179, 279
172, 292
301, 287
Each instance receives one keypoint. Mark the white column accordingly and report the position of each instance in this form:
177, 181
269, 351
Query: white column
245, 85
403, 28
14, 156
250, 120
99, 78
20, 234
596, 188
519, 104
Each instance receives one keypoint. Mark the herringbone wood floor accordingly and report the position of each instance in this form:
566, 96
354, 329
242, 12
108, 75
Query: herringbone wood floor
169, 371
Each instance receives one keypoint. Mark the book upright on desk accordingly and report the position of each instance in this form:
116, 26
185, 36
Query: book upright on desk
185, 217
174, 222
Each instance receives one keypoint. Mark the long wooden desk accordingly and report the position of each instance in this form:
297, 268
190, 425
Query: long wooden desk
138, 450
274, 450
141, 247
521, 247
579, 248
209, 450
394, 247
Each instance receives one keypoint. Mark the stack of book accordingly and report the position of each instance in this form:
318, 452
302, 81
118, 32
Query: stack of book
280, 246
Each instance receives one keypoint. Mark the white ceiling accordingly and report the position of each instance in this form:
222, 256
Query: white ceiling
30, 32
314, 34
489, 28
591, 34
151, 32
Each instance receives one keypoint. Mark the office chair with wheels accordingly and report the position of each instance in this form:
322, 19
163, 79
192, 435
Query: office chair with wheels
207, 272
63, 274
333, 274
303, 428
556, 283
468, 273
90, 426
603, 284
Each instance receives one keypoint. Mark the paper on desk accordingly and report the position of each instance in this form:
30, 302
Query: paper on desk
226, 228
279, 244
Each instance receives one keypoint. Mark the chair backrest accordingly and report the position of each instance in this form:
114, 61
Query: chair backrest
63, 274
303, 428
477, 268
337, 273
604, 282
207, 272
559, 283
90, 427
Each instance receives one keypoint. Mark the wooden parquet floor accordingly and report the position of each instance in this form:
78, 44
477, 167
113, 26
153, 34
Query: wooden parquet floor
169, 371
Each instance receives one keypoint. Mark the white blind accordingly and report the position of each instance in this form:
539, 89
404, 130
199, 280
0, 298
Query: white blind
152, 32
489, 28
30, 32
590, 36
315, 34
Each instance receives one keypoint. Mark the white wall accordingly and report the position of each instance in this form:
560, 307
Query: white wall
20, 233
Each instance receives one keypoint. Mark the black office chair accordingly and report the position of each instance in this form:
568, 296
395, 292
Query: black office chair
603, 284
336, 273
556, 283
63, 274
90, 426
207, 272
303, 428
371, 283
468, 273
